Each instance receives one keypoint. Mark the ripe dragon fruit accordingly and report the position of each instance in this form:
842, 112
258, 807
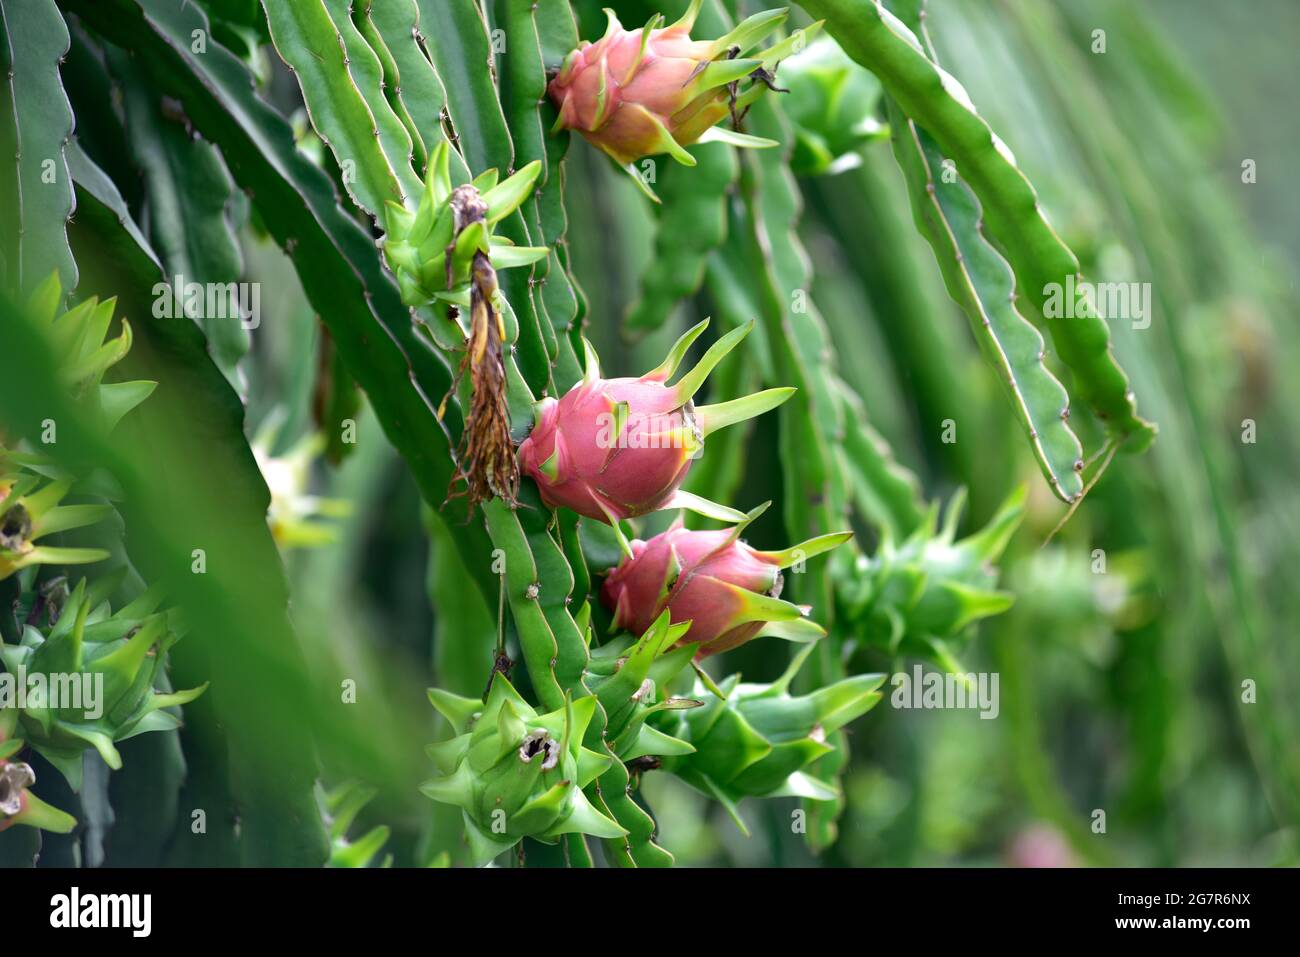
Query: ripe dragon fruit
729, 591
619, 448
636, 93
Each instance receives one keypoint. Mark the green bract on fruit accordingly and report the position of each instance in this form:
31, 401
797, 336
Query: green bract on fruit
516, 773
29, 502
919, 595
630, 678
30, 509
78, 337
729, 591
761, 740
636, 93
618, 448
91, 679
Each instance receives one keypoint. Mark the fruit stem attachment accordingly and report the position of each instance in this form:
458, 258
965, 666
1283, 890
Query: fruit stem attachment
485, 458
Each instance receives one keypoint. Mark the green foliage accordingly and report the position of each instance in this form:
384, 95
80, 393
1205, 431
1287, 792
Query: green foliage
120, 656
1012, 215
37, 193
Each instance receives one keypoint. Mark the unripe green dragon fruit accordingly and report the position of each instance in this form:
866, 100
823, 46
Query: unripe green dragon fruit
612, 449
832, 104
729, 591
630, 678
89, 680
29, 504
339, 808
78, 337
920, 595
636, 93
431, 251
29, 510
760, 740
18, 805
516, 773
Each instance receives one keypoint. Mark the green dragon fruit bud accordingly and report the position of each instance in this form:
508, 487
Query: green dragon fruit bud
79, 337
29, 505
612, 449
431, 250
921, 595
29, 510
761, 740
729, 591
515, 773
630, 678
89, 679
340, 808
832, 104
636, 93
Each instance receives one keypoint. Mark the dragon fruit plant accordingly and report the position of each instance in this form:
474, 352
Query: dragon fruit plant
597, 571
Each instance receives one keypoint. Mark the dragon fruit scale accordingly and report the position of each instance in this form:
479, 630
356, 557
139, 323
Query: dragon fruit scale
728, 591
612, 449
636, 93
18, 805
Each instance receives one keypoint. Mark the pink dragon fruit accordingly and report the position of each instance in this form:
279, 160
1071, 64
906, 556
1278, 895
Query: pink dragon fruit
637, 93
729, 591
618, 448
